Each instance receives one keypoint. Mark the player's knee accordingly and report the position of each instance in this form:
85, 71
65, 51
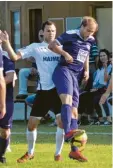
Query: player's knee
59, 121
66, 99
5, 133
74, 112
33, 123
31, 126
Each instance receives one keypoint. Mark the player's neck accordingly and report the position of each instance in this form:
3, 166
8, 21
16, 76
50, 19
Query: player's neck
81, 34
46, 41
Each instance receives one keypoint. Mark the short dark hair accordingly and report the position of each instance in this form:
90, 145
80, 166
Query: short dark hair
47, 23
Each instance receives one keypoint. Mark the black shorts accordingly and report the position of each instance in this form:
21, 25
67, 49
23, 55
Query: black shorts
46, 100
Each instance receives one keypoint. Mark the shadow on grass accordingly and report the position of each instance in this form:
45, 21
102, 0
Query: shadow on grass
20, 127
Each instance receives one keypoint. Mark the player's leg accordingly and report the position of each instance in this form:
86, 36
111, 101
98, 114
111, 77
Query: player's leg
4, 141
31, 134
59, 138
9, 147
5, 124
56, 107
64, 84
39, 109
75, 153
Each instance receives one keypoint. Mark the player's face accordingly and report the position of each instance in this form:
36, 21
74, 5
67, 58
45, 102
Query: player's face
49, 33
89, 30
103, 57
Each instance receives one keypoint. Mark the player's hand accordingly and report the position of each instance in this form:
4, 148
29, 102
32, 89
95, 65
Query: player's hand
86, 75
83, 84
68, 58
4, 37
33, 71
103, 98
2, 112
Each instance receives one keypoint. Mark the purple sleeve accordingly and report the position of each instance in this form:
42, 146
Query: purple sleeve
8, 65
63, 38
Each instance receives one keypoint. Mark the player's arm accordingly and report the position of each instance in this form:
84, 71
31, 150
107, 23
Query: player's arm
86, 69
2, 96
54, 46
9, 70
4, 37
2, 91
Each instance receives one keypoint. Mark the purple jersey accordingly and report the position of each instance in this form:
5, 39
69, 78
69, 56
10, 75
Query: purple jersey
8, 67
77, 47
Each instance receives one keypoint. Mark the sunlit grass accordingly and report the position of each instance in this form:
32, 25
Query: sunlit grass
98, 150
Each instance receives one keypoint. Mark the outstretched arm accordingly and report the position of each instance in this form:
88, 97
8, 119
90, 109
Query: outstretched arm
4, 37
2, 89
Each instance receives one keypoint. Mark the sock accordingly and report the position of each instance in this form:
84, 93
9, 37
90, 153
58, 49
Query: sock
3, 146
31, 139
59, 140
74, 124
74, 148
66, 117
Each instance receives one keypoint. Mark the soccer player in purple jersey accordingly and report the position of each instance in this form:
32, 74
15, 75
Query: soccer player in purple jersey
2, 88
75, 56
6, 121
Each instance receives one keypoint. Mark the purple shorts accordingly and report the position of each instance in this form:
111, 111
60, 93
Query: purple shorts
6, 122
66, 82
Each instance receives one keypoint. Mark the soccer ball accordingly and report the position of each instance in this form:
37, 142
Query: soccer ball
80, 141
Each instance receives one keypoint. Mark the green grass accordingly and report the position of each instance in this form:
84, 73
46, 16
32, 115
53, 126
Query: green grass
98, 149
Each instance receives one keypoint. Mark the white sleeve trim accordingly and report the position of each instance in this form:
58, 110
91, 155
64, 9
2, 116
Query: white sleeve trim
10, 71
22, 55
57, 41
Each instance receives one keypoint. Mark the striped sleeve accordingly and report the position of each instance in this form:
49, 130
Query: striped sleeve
94, 52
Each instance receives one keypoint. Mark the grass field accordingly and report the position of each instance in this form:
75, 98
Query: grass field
98, 149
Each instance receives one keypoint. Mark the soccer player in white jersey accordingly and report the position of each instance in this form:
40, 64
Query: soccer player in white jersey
46, 97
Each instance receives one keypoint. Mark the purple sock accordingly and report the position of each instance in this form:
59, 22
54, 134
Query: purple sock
66, 117
74, 148
3, 146
74, 124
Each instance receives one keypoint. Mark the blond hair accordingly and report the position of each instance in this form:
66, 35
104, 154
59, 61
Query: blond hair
89, 20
